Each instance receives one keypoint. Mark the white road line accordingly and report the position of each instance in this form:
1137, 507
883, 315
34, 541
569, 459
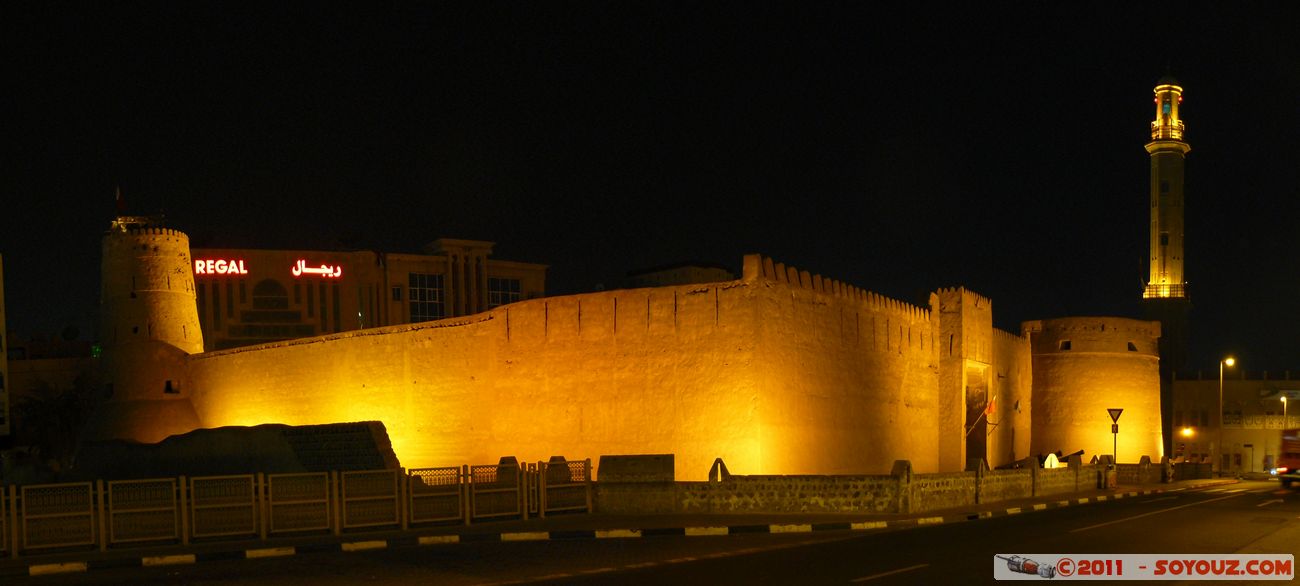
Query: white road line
868, 525
434, 539
1152, 513
697, 531
1163, 498
1040, 506
889, 573
1013, 511
167, 560
617, 533
45, 569
1269, 502
1237, 490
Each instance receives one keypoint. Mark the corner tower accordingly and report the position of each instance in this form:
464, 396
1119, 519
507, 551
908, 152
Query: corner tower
150, 326
1164, 297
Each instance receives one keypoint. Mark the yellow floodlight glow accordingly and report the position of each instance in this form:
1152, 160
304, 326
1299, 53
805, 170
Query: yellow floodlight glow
1187, 432
1229, 361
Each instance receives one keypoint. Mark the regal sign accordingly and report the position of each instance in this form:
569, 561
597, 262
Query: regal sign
219, 267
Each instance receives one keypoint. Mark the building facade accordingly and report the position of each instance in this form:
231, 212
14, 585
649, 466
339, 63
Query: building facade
4, 360
1251, 421
249, 296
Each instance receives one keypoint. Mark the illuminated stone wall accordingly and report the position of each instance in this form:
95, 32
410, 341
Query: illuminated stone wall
779, 372
1083, 366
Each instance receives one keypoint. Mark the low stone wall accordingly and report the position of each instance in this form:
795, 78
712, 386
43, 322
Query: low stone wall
1061, 480
791, 494
1143, 472
900, 492
1001, 485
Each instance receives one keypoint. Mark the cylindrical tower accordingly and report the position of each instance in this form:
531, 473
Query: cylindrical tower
1083, 366
150, 324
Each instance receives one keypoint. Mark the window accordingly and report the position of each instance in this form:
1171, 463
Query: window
1064, 344
1164, 187
1132, 347
502, 291
397, 293
1164, 239
425, 297
170, 389
1167, 107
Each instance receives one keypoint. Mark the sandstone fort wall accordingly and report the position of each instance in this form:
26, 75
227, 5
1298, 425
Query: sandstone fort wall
778, 372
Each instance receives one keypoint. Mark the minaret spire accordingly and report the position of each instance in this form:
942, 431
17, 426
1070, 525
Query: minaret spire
1164, 297
1168, 151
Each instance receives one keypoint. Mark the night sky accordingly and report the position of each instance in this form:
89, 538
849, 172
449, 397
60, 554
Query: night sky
897, 152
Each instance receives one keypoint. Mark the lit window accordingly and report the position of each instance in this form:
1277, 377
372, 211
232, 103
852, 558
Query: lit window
426, 297
502, 291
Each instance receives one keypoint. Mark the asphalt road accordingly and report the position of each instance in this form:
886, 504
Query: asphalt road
1249, 517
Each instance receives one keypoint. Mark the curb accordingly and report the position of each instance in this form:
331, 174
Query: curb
567, 535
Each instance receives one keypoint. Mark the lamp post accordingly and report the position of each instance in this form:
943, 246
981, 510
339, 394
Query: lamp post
1284, 425
1218, 450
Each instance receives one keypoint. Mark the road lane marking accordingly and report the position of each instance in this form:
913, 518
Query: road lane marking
1236, 490
1163, 498
1040, 506
697, 531
1062, 503
1153, 513
269, 552
1013, 511
598, 571
1083, 501
617, 533
526, 536
868, 525
929, 521
167, 560
432, 539
1101, 497
44, 569
789, 528
889, 573
1270, 502
364, 545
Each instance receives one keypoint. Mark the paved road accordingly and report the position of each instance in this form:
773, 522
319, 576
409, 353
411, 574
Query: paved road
1249, 517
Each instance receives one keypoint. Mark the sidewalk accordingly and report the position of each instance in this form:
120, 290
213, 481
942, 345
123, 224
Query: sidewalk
574, 526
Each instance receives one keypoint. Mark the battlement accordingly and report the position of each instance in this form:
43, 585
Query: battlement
1099, 325
759, 267
965, 293
154, 231
1008, 336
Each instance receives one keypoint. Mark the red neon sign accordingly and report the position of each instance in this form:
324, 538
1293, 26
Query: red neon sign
300, 268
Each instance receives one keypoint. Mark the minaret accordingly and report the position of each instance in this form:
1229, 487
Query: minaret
1168, 152
1164, 297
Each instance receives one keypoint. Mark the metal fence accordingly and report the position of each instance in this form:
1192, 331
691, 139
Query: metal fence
298, 502
58, 515
371, 498
155, 511
436, 494
143, 510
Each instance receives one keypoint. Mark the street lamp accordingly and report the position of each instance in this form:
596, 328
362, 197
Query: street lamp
1284, 425
1218, 455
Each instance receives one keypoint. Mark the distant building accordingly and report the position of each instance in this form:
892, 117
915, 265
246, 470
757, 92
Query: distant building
251, 296
4, 359
686, 273
1252, 419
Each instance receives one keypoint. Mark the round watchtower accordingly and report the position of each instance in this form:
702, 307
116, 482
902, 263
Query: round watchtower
150, 324
1083, 366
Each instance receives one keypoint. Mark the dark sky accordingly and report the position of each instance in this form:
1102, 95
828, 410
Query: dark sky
898, 152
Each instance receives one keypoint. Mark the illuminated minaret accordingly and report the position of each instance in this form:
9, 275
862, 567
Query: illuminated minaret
1167, 151
1164, 298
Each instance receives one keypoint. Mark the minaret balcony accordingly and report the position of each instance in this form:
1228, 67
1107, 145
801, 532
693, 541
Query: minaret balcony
1167, 130
1164, 291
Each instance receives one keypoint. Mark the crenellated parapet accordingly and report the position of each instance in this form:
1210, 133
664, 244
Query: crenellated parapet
759, 267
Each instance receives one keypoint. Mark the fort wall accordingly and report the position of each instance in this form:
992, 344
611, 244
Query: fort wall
1085, 365
778, 372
